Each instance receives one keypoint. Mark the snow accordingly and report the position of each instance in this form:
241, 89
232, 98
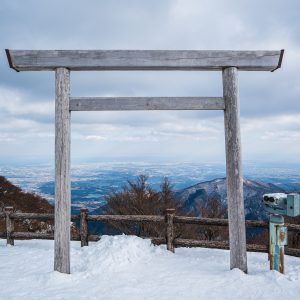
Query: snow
127, 267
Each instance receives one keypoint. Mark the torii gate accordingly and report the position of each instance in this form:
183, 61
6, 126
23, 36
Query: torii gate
64, 61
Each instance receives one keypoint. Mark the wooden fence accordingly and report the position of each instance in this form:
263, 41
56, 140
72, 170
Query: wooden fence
169, 219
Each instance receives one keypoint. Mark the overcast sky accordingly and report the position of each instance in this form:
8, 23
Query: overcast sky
270, 102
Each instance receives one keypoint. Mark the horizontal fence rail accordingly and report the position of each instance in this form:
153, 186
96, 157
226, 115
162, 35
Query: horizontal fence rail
128, 218
169, 219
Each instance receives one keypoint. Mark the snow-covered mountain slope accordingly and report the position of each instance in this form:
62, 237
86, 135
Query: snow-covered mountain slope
127, 267
253, 192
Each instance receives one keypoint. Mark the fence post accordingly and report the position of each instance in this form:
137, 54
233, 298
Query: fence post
84, 227
170, 213
9, 225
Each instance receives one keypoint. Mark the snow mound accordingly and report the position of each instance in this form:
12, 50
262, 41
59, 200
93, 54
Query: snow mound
113, 253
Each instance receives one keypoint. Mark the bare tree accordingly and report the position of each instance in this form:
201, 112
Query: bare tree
138, 198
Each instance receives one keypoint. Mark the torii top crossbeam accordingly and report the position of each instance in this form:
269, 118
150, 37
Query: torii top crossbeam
229, 62
98, 60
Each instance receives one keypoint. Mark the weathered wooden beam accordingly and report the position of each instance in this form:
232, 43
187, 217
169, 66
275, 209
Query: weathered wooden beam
170, 213
257, 223
218, 245
293, 227
9, 225
32, 216
94, 238
236, 214
198, 243
157, 240
62, 172
126, 218
292, 251
145, 103
33, 235
37, 216
84, 227
177, 219
257, 248
47, 236
224, 222
200, 221
187, 60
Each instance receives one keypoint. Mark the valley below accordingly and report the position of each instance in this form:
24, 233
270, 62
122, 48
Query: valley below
193, 183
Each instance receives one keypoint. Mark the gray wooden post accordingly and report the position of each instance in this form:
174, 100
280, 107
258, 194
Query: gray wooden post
84, 227
236, 214
9, 225
62, 172
170, 213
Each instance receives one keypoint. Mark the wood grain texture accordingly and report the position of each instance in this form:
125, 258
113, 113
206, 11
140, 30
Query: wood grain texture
198, 243
170, 213
32, 216
292, 251
236, 214
217, 245
176, 220
62, 172
187, 60
224, 222
37, 216
146, 103
9, 226
128, 218
157, 240
83, 227
47, 236
33, 235
94, 238
293, 227
200, 221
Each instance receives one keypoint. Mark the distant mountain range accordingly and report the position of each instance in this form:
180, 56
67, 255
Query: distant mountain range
91, 182
199, 193
191, 198
253, 192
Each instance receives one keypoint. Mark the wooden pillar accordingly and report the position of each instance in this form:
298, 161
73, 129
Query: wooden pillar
170, 213
62, 172
84, 227
236, 214
9, 225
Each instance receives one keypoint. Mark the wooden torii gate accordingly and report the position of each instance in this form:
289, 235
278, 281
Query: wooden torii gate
229, 62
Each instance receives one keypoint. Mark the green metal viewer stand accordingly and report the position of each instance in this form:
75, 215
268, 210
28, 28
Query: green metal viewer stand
278, 205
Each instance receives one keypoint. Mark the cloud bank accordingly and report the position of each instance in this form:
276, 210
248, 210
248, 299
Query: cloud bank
270, 106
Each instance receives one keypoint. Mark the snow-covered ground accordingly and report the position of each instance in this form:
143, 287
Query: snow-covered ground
127, 267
